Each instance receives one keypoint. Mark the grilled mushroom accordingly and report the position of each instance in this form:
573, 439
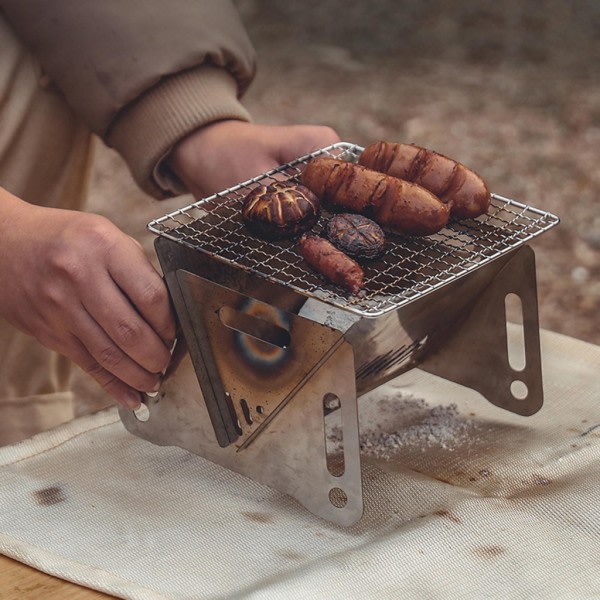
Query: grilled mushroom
280, 210
356, 235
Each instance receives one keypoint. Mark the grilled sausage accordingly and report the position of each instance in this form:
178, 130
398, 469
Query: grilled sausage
396, 205
332, 263
356, 235
463, 190
280, 210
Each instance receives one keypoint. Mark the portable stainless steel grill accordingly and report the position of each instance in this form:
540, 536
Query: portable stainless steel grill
269, 350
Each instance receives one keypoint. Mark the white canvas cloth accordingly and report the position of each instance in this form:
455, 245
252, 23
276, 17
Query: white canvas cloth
469, 502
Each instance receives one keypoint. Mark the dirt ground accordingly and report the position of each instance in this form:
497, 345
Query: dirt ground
516, 99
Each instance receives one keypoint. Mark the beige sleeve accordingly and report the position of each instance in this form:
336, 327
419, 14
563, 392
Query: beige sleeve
141, 79
146, 130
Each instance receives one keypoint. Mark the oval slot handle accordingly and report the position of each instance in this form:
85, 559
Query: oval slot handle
334, 454
262, 330
515, 335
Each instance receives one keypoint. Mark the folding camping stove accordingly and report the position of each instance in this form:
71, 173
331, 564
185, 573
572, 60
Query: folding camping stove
274, 349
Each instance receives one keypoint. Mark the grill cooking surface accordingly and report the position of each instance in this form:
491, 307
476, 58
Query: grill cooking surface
409, 269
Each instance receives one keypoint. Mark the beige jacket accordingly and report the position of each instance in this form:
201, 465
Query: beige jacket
141, 74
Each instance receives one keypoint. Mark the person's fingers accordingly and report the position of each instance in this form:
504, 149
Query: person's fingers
117, 389
126, 327
108, 355
247, 150
146, 290
301, 140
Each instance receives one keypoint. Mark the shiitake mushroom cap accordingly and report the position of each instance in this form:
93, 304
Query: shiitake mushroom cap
280, 210
356, 235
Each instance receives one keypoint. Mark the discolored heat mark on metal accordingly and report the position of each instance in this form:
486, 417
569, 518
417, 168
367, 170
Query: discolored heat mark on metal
255, 350
49, 496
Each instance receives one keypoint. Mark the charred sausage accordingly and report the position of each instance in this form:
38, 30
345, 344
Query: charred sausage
396, 205
463, 190
332, 263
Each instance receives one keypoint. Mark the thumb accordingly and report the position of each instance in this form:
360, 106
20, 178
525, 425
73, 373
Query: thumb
297, 140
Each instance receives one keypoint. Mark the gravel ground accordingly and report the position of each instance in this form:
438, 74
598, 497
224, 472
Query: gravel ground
524, 112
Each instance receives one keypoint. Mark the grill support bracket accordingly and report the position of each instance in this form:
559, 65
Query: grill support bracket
476, 354
278, 416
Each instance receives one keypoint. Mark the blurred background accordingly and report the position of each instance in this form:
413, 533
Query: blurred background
510, 88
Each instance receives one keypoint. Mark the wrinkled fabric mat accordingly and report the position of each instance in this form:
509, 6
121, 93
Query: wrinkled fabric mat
462, 500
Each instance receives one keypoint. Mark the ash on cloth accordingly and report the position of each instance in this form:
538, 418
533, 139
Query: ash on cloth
405, 421
473, 494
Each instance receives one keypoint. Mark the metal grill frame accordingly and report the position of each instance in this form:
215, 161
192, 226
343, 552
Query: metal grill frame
410, 268
437, 303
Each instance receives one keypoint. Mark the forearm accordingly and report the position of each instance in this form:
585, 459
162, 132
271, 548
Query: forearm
105, 55
168, 113
141, 80
13, 211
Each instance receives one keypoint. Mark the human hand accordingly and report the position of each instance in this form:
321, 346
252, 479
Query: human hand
84, 288
225, 153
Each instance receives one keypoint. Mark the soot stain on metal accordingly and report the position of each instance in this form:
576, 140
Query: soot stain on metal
50, 496
258, 517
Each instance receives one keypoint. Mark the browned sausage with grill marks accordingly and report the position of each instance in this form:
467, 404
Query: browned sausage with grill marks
463, 190
396, 205
332, 263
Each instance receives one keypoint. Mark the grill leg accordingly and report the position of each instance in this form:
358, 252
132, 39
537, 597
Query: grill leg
478, 354
279, 388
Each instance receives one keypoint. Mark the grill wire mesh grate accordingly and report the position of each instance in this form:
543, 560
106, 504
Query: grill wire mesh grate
409, 269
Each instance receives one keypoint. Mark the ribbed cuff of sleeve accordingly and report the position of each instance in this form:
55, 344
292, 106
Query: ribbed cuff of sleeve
146, 131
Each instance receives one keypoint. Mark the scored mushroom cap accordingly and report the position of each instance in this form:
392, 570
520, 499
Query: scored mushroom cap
280, 210
356, 235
